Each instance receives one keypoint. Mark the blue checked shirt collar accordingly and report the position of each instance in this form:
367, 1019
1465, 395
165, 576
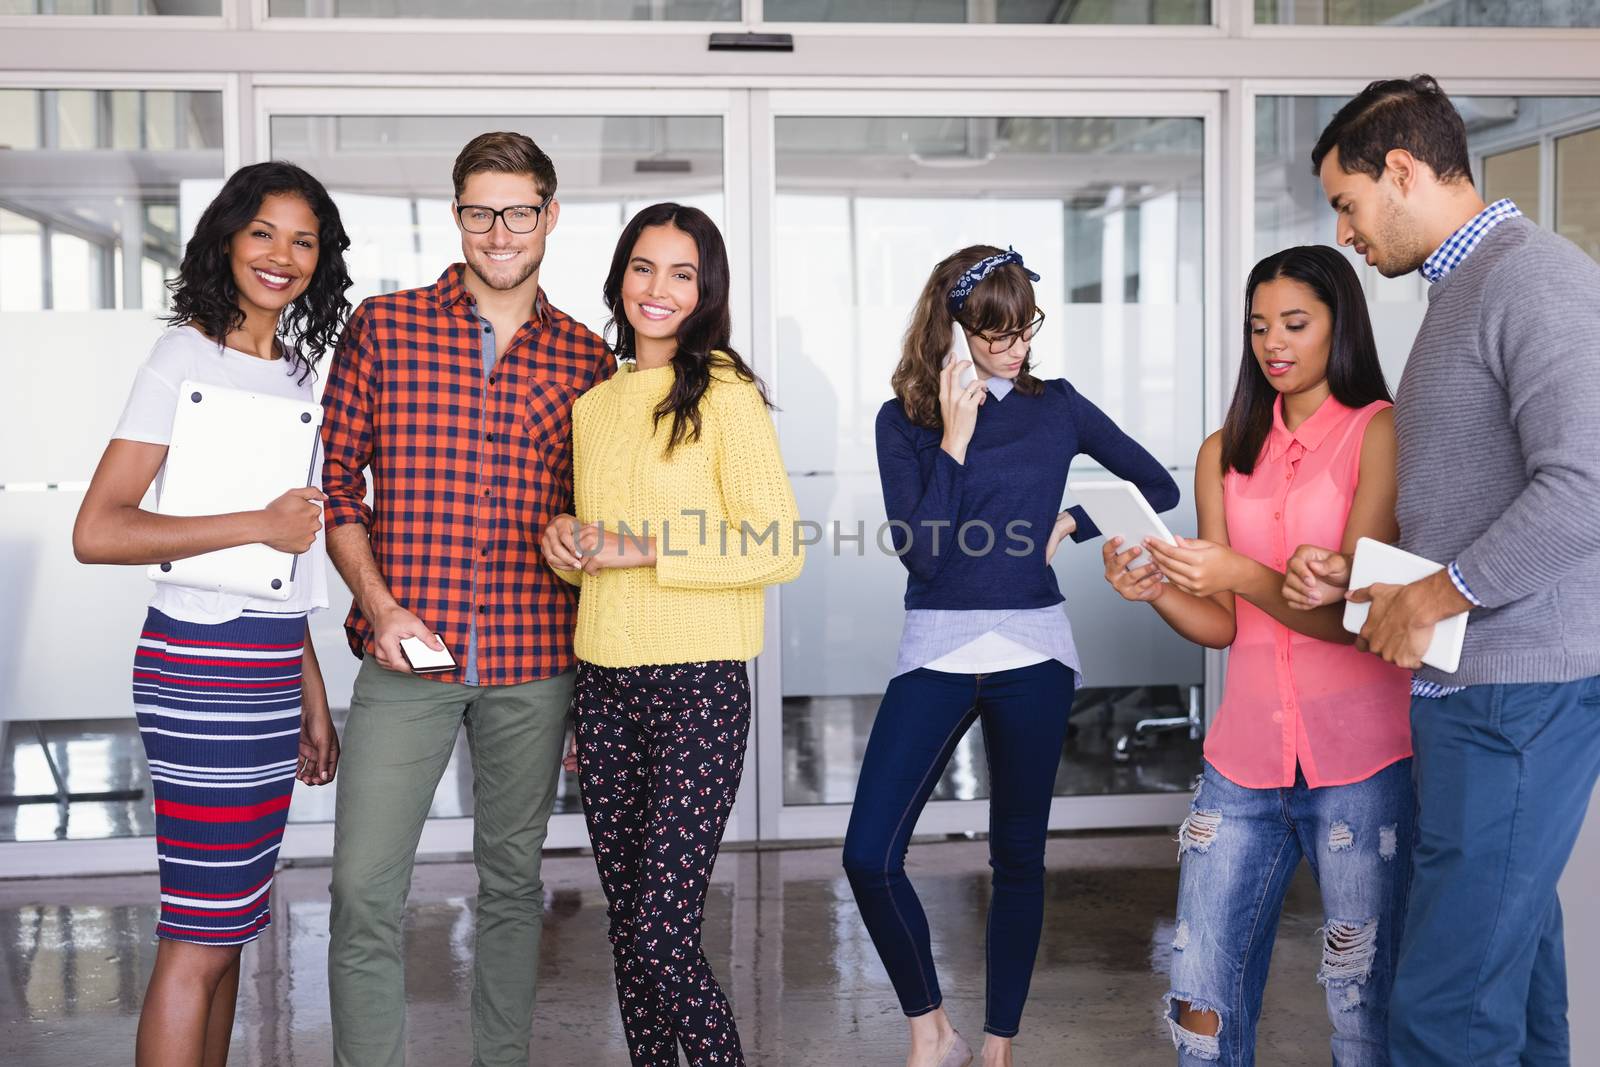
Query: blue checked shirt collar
1448, 256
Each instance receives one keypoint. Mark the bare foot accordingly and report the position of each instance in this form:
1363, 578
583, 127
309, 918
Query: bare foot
932, 1037
996, 1051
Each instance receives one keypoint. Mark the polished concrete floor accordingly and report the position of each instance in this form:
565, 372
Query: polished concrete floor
823, 740
781, 931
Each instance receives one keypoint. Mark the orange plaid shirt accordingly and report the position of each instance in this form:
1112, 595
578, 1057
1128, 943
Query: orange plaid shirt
468, 468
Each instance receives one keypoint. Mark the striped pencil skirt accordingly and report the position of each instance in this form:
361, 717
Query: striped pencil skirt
219, 714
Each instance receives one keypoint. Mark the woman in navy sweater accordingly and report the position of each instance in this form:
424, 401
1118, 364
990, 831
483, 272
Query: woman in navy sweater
973, 453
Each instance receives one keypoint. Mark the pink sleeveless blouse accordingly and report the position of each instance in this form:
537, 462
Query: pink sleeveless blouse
1341, 715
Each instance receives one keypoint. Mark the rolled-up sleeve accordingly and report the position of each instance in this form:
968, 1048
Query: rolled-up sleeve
347, 437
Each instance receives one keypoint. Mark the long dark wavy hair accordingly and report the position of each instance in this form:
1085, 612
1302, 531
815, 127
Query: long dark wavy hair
204, 294
1003, 301
1355, 376
704, 337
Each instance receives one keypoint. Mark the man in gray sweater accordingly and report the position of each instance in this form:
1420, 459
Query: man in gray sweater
1499, 479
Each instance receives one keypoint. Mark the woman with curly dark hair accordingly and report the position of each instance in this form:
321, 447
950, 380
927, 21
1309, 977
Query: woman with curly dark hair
229, 698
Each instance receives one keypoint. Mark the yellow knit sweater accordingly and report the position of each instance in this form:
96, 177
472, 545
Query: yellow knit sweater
703, 599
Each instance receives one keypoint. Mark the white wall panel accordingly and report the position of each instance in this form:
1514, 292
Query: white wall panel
66, 375
67, 634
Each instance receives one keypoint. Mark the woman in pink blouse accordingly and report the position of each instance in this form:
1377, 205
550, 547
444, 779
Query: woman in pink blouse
1310, 751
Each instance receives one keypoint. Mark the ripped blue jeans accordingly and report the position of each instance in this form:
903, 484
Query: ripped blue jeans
1239, 849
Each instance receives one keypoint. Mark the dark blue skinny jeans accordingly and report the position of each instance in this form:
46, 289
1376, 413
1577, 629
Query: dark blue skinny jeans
923, 715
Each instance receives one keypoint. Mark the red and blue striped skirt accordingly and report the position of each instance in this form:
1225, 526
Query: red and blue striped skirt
219, 714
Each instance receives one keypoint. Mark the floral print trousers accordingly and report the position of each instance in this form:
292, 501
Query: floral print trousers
660, 751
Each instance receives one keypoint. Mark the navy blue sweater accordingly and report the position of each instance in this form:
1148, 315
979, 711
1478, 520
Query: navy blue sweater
943, 514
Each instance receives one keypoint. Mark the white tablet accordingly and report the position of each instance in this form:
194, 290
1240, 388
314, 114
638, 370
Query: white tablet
1120, 510
235, 451
1377, 563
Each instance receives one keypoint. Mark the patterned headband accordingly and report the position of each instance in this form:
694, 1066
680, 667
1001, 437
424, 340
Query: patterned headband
978, 272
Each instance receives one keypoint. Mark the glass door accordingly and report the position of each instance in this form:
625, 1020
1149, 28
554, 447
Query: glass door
386, 156
1110, 197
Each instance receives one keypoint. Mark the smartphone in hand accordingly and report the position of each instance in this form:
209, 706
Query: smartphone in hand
959, 351
424, 660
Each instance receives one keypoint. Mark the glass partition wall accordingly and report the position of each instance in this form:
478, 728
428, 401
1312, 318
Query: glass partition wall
1110, 210
99, 188
1002, 12
1516, 143
389, 171
1428, 13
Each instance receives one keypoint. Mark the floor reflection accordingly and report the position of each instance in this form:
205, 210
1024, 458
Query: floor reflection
781, 930
824, 739
95, 755
92, 756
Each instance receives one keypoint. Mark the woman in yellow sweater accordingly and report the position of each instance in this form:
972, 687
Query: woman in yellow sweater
684, 514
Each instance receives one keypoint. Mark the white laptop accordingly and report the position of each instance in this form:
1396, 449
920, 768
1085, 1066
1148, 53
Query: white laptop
235, 451
1120, 510
1378, 563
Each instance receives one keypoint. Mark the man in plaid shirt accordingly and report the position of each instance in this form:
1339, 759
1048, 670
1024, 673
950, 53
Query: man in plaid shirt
458, 398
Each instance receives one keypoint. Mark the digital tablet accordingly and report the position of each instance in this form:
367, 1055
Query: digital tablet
1377, 563
234, 451
1120, 510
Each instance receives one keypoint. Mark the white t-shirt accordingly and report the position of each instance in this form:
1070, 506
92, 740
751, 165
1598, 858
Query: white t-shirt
185, 353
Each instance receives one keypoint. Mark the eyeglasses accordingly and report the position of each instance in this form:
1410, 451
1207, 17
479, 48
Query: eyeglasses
999, 342
518, 218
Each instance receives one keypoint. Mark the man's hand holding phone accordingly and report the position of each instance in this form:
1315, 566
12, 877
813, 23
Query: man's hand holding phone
396, 625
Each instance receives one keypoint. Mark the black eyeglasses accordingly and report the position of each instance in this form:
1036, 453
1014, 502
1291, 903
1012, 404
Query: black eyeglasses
518, 218
1002, 341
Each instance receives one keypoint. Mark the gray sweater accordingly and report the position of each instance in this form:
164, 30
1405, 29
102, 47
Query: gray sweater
1500, 454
